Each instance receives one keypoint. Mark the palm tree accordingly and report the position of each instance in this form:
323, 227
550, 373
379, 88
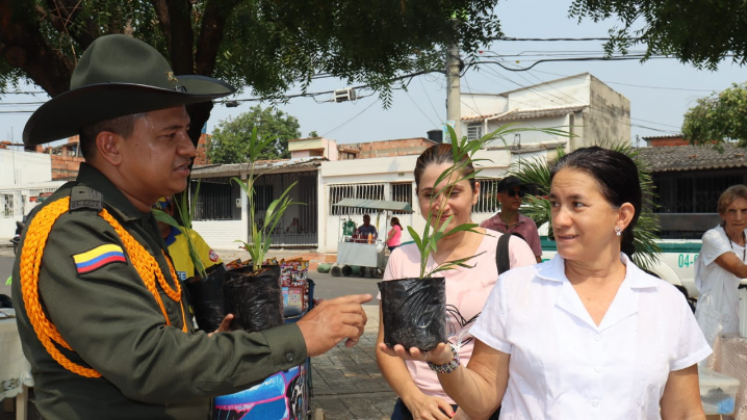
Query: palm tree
537, 172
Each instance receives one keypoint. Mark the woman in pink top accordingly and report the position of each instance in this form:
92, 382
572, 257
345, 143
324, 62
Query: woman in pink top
420, 394
394, 235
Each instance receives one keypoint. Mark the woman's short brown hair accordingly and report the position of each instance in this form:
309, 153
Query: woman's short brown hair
729, 195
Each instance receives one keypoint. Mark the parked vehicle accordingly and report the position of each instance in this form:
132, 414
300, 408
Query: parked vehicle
17, 237
676, 262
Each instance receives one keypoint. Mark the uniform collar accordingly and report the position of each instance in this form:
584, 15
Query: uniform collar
635, 278
171, 238
113, 197
625, 303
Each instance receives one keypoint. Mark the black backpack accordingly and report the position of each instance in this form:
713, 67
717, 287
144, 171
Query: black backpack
502, 260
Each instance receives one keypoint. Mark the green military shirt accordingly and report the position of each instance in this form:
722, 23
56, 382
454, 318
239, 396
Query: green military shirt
115, 326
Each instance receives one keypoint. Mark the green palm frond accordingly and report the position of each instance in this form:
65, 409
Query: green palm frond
537, 171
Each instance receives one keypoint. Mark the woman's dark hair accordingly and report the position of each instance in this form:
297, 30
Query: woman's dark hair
395, 220
617, 177
438, 154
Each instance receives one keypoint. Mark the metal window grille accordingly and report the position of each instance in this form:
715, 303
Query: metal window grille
364, 191
7, 203
691, 195
216, 199
474, 132
488, 200
299, 225
402, 193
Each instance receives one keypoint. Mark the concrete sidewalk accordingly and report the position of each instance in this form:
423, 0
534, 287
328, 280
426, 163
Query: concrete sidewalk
347, 382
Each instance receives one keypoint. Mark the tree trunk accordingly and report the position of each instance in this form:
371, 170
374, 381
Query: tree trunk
22, 45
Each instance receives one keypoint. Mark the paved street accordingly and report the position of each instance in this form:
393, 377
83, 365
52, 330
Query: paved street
347, 383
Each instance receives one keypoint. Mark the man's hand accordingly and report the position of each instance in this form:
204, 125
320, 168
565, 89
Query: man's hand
224, 325
334, 320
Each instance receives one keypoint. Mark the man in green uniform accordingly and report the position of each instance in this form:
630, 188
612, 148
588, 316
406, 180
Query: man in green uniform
100, 313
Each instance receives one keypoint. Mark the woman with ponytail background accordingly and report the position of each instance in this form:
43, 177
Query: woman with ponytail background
586, 335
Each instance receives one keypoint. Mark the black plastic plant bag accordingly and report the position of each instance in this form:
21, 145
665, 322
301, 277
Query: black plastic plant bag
255, 299
207, 298
414, 312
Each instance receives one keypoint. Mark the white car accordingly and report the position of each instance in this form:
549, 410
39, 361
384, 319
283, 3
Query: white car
676, 262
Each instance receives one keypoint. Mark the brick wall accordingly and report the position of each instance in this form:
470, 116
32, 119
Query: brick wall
674, 141
65, 168
201, 158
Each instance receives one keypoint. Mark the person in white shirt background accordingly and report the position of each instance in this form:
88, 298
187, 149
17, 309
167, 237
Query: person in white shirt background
586, 335
719, 268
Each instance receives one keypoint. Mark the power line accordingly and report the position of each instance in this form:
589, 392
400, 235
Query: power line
514, 39
634, 85
421, 111
351, 118
429, 98
548, 60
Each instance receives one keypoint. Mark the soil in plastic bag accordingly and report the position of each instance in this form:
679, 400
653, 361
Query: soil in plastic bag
255, 299
414, 312
207, 298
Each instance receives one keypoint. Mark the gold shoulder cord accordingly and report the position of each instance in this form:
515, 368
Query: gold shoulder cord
31, 256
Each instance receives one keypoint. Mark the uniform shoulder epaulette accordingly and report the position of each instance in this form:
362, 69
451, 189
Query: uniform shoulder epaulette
85, 198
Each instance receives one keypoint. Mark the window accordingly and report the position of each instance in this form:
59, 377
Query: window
402, 193
691, 194
362, 191
474, 132
6, 201
488, 200
216, 199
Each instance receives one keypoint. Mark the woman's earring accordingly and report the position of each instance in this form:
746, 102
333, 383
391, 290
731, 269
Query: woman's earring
618, 231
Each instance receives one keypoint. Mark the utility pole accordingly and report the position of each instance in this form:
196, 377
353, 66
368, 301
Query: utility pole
453, 99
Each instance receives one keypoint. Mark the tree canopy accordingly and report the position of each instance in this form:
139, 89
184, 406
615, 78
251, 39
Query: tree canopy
231, 139
699, 32
718, 118
265, 45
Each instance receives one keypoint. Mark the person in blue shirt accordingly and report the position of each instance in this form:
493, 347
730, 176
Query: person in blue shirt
366, 228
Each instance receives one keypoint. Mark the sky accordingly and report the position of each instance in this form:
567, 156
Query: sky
660, 91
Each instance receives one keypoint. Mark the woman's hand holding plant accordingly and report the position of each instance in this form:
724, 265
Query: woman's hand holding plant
440, 355
426, 407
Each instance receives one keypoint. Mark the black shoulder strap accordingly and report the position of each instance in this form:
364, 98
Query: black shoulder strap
83, 197
501, 254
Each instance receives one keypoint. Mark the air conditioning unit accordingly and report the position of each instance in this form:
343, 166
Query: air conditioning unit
342, 95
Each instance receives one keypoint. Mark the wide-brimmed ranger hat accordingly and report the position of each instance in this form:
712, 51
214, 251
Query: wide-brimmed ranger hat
117, 75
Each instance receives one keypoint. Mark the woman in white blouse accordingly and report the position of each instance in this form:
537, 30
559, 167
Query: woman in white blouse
720, 267
587, 335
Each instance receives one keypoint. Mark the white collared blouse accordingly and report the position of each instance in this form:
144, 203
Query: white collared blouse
564, 366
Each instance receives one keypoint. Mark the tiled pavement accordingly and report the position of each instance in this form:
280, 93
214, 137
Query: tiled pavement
347, 382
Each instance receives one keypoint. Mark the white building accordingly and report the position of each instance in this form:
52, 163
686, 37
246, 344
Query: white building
582, 105
23, 177
592, 112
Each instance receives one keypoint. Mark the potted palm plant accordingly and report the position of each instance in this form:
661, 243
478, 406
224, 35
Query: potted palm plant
414, 309
205, 288
253, 293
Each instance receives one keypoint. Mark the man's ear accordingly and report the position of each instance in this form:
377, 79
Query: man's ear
108, 146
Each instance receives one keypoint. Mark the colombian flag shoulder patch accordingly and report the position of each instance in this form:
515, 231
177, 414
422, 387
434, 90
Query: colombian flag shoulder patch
98, 257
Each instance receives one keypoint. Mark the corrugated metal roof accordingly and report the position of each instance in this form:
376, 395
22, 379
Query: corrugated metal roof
375, 204
262, 166
528, 114
671, 136
688, 158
